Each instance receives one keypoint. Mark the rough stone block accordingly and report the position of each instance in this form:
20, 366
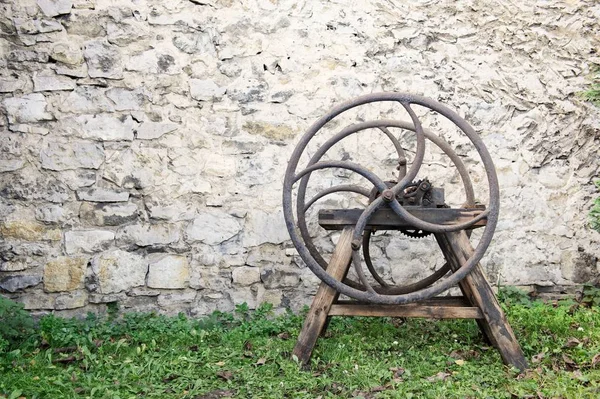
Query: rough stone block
71, 300
154, 130
37, 301
124, 99
245, 275
15, 266
52, 82
154, 61
168, 271
206, 90
16, 283
27, 230
64, 274
52, 8
148, 234
264, 227
10, 165
26, 109
84, 100
105, 127
103, 60
117, 270
279, 278
88, 241
213, 228
71, 155
67, 52
177, 298
108, 214
99, 194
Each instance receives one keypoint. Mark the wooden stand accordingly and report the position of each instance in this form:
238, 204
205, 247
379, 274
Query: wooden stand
478, 302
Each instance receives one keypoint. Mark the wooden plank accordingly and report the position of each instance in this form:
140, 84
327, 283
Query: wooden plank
436, 301
319, 310
387, 219
457, 249
412, 310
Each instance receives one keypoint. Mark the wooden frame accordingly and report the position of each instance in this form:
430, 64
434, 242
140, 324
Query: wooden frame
478, 301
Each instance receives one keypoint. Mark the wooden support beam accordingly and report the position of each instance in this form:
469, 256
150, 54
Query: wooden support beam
412, 310
321, 305
387, 219
457, 250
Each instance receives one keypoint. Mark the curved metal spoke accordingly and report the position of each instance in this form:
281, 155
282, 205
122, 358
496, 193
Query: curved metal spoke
367, 257
360, 273
337, 189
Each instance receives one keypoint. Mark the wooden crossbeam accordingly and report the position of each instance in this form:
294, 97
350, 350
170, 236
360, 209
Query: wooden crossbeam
387, 219
412, 310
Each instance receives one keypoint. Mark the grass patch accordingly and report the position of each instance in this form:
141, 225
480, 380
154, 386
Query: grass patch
593, 93
247, 355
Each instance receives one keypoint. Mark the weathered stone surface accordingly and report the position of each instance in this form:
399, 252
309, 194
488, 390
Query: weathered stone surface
67, 53
213, 228
88, 241
279, 277
52, 82
8, 85
103, 60
126, 32
154, 130
105, 127
52, 8
185, 114
274, 131
206, 90
12, 266
76, 179
37, 301
159, 207
118, 270
99, 194
145, 235
168, 271
26, 109
16, 283
154, 61
124, 99
245, 275
51, 213
29, 184
72, 300
9, 165
264, 227
72, 155
175, 300
86, 100
28, 230
64, 274
108, 214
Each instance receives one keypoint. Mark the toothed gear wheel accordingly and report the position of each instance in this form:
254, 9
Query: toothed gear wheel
415, 233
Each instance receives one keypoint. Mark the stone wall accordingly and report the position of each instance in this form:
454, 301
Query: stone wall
143, 143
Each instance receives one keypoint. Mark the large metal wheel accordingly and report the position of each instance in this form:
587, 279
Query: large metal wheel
298, 180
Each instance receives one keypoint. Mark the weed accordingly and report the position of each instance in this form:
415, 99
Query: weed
248, 355
595, 211
16, 324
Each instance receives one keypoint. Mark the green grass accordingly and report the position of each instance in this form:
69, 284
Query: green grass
248, 355
593, 93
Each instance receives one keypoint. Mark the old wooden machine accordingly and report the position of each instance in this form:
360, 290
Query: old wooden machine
412, 205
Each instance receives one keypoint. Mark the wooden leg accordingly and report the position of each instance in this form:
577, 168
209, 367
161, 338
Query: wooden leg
457, 249
317, 315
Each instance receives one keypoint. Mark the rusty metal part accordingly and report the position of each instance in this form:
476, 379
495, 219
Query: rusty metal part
364, 291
